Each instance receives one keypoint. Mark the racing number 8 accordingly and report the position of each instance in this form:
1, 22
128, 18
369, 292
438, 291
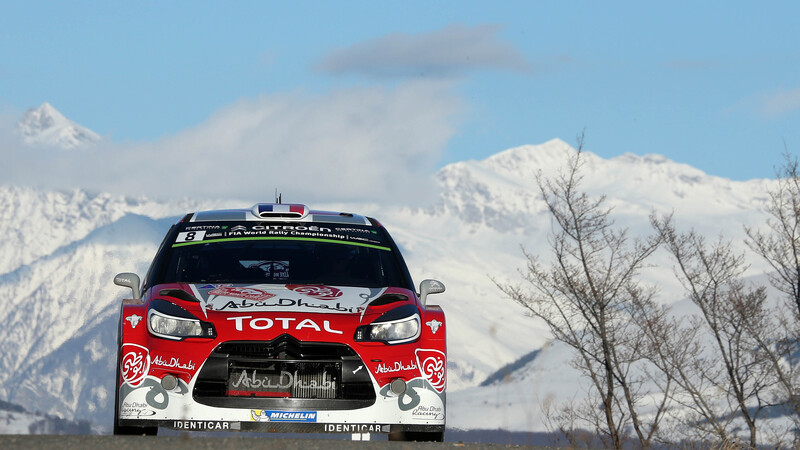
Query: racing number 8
190, 236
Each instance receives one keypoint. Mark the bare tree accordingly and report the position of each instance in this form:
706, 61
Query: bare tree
585, 296
736, 319
780, 248
674, 348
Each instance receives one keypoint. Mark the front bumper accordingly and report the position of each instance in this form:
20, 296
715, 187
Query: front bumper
285, 385
280, 369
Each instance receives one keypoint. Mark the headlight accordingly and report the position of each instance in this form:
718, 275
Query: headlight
392, 332
170, 321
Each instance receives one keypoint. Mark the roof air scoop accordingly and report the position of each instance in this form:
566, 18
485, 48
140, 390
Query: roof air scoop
279, 211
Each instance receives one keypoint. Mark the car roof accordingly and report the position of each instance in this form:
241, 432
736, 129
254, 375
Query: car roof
279, 212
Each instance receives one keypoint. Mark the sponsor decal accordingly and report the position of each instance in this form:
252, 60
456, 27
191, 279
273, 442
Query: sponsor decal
396, 367
313, 228
428, 413
277, 270
134, 320
434, 324
285, 380
356, 428
136, 409
356, 230
411, 398
316, 291
205, 227
204, 425
359, 368
123, 280
432, 366
325, 299
265, 323
286, 303
172, 363
242, 292
155, 395
135, 363
352, 236
258, 415
279, 231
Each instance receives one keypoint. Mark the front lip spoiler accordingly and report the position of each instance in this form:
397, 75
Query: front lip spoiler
281, 427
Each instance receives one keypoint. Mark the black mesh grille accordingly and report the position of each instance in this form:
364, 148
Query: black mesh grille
284, 347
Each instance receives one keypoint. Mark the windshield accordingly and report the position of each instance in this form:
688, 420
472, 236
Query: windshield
354, 257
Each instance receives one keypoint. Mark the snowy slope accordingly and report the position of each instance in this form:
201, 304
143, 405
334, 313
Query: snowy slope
63, 248
35, 223
14, 419
68, 288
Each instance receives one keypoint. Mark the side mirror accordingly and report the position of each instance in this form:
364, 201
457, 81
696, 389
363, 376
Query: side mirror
429, 287
131, 280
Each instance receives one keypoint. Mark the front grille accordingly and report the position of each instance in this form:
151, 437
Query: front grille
290, 379
286, 373
284, 347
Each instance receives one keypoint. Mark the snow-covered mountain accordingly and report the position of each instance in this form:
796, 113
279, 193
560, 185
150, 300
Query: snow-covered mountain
501, 191
15, 419
45, 126
62, 249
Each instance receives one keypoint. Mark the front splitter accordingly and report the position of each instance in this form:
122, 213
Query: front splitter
282, 427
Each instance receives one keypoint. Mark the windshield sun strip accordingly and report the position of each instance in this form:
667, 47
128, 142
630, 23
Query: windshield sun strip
264, 238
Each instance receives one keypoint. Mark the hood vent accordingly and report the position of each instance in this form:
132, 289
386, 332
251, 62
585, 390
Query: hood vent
180, 294
386, 299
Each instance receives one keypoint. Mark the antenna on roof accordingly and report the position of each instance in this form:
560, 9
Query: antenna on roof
278, 196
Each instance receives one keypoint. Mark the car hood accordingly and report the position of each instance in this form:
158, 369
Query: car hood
237, 298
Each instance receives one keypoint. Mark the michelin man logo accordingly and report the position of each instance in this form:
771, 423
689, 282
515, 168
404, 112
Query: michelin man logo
259, 415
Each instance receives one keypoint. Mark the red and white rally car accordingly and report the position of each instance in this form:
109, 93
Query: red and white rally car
280, 318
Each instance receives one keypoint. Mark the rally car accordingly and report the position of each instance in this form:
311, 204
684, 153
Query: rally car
279, 318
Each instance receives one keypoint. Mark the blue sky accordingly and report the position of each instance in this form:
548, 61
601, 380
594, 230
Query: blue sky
712, 84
